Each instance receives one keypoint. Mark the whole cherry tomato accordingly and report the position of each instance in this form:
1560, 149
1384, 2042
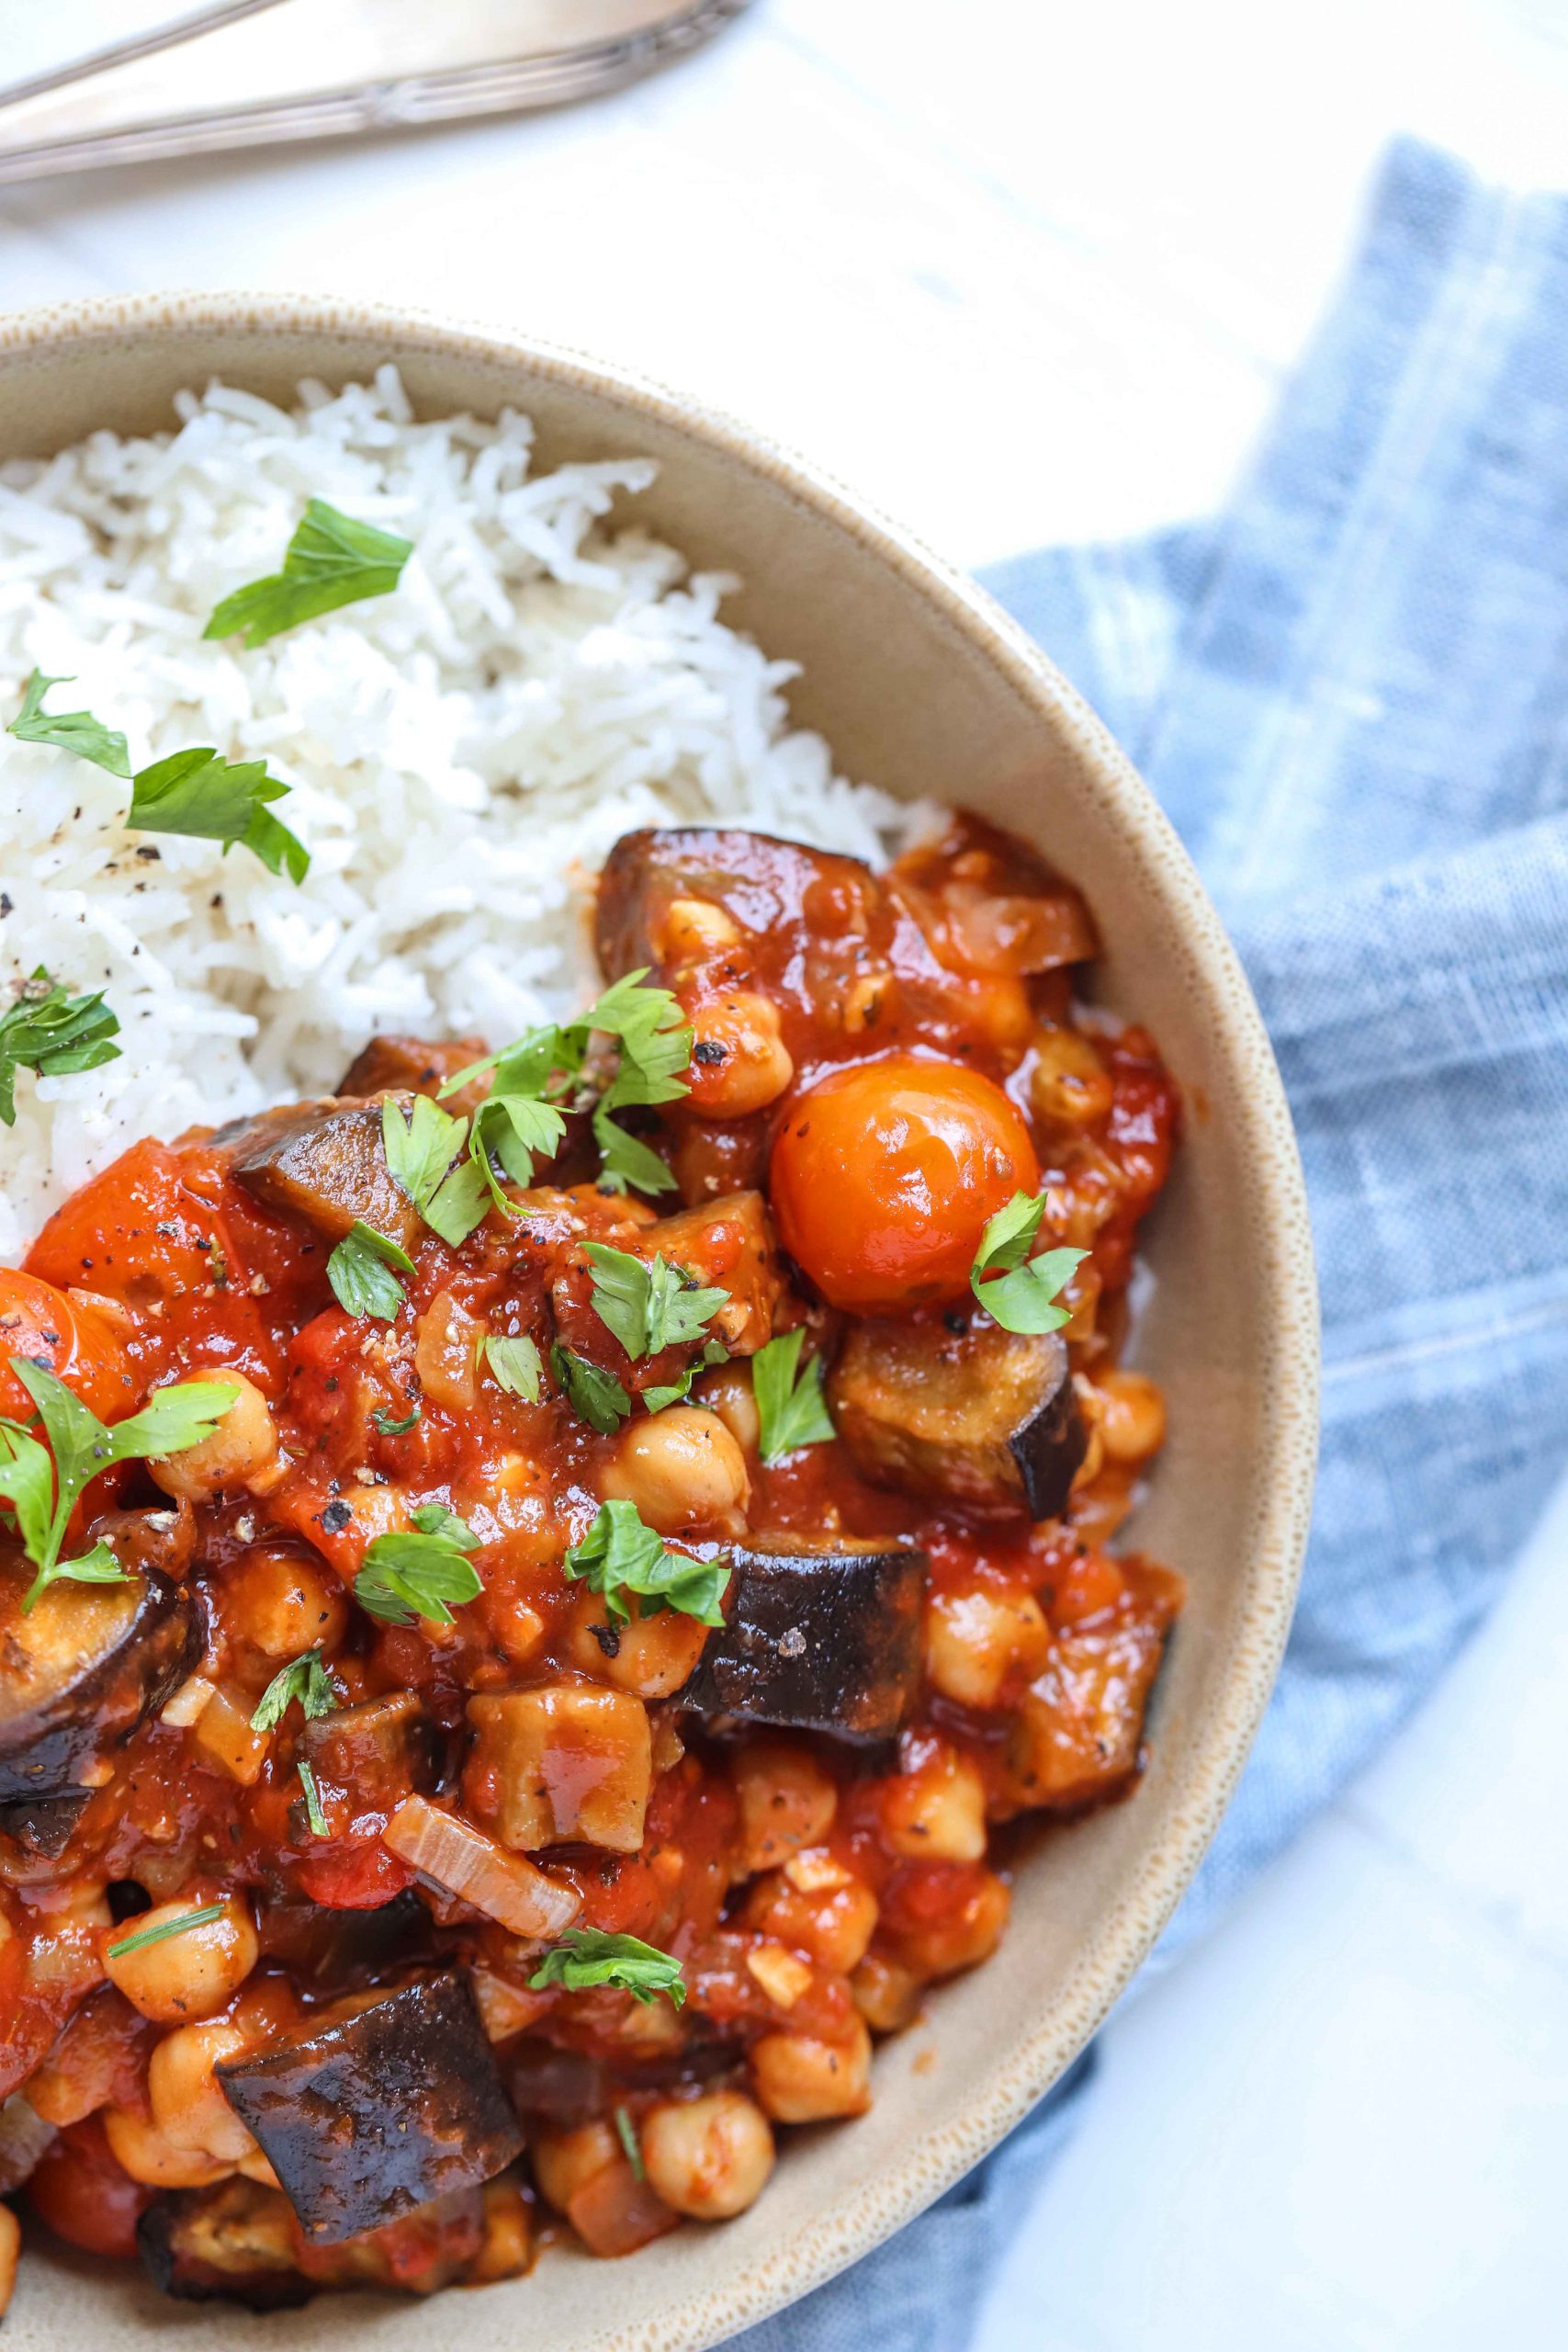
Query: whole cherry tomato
884, 1173
85, 2195
40, 1323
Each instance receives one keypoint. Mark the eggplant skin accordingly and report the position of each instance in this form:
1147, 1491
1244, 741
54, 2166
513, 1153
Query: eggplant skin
323, 1161
977, 1416
380, 2111
43, 1826
762, 880
817, 1639
233, 2243
91, 1662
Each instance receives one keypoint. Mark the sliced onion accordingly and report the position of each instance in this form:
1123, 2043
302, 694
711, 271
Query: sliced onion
466, 1863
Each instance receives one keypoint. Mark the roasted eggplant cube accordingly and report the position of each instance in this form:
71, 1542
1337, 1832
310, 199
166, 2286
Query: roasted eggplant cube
825, 1640
730, 1242
324, 1162
763, 884
393, 1064
81, 1671
234, 2243
980, 1416
384, 2110
378, 1751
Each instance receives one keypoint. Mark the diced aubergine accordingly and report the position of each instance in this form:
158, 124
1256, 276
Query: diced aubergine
982, 1415
239, 2242
393, 1064
764, 883
44, 1826
88, 1664
323, 1161
329, 1950
823, 1639
379, 2111
377, 1750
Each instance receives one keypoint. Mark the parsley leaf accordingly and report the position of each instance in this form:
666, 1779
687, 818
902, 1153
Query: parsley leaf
620, 1554
313, 1814
388, 1424
648, 1305
625, 2133
655, 1048
421, 1146
68, 730
330, 560
212, 800
44, 1493
588, 1956
53, 1033
1022, 1296
790, 1412
407, 1576
305, 1678
360, 1271
514, 1365
595, 1395
675, 1392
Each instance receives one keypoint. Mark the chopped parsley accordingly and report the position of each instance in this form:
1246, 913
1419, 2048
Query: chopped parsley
43, 1493
625, 2133
675, 1392
68, 730
586, 1957
522, 1119
1023, 1293
648, 1303
209, 798
202, 1917
404, 1576
360, 1271
388, 1425
421, 1146
304, 1679
313, 1814
52, 1033
790, 1412
332, 560
514, 1365
595, 1395
620, 1554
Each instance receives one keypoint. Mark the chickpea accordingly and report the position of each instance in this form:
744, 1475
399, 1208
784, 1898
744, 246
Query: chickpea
1131, 1416
786, 1802
728, 1392
1069, 1085
184, 1975
965, 1936
188, 2101
833, 1923
10, 2248
708, 2157
754, 1065
691, 929
886, 1994
937, 1812
565, 2162
801, 2079
652, 1655
240, 1452
974, 1640
683, 1469
144, 2152
282, 1602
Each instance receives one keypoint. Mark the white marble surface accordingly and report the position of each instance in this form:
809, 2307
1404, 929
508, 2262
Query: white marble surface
1024, 272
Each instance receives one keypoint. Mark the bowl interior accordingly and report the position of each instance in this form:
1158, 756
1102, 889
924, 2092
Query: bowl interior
923, 687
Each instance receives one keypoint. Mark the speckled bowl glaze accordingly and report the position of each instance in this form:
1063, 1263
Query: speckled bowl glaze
923, 687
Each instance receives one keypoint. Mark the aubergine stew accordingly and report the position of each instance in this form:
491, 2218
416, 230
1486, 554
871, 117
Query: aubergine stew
532, 1589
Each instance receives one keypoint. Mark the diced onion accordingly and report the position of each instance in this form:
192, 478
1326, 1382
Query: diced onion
466, 1863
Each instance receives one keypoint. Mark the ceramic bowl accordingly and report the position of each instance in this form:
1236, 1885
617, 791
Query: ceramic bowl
923, 687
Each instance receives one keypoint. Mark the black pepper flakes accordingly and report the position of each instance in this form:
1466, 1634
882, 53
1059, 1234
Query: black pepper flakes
707, 1050
335, 1517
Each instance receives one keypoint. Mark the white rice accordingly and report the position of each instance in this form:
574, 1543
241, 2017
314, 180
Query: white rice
461, 754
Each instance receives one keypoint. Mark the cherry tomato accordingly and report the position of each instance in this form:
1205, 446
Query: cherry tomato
884, 1173
40, 1323
85, 2195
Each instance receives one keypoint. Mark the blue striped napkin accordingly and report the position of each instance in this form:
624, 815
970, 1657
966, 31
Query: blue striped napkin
1351, 695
